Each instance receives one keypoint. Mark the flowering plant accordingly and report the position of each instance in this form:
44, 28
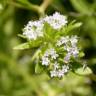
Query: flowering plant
58, 50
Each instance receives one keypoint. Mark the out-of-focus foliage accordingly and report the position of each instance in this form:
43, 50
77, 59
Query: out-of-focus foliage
17, 74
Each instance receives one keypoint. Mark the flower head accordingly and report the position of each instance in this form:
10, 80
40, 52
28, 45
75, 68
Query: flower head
59, 72
63, 40
57, 21
70, 46
33, 30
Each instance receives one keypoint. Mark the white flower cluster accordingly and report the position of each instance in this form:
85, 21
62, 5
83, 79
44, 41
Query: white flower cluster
34, 29
56, 21
57, 72
70, 45
49, 53
50, 58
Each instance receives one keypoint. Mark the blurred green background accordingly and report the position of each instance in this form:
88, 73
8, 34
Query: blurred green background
17, 74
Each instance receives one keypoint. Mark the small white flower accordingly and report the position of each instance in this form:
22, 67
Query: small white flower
65, 68
73, 51
53, 73
74, 40
45, 61
46, 54
57, 21
59, 43
53, 53
56, 65
67, 58
63, 40
33, 30
60, 73
30, 34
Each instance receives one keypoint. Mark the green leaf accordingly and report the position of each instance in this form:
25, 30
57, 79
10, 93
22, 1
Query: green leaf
73, 25
81, 54
22, 46
82, 71
28, 45
38, 68
82, 6
22, 36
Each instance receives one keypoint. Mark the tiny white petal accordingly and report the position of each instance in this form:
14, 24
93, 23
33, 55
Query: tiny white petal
56, 65
63, 41
60, 73
53, 53
67, 58
53, 73
74, 40
45, 61
65, 68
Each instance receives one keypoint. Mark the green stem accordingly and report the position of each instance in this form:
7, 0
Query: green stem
27, 5
35, 55
44, 6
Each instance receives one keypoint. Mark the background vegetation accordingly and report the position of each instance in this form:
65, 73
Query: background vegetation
17, 75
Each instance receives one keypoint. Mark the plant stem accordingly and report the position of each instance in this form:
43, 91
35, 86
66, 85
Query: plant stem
35, 55
27, 5
44, 6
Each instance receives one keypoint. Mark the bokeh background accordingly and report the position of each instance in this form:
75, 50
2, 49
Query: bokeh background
17, 75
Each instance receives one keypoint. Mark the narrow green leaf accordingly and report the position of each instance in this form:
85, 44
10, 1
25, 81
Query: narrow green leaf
22, 46
81, 6
22, 36
28, 45
81, 71
71, 26
76, 25
38, 68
